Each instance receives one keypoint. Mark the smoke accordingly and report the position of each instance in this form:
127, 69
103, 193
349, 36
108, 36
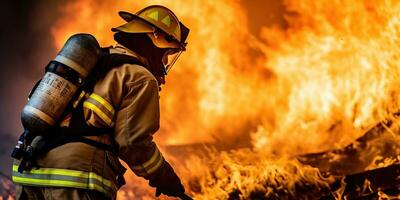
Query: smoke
26, 47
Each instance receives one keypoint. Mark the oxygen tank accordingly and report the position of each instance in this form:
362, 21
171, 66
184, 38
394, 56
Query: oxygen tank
64, 75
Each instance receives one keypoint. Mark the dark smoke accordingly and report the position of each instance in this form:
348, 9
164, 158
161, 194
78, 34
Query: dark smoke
26, 47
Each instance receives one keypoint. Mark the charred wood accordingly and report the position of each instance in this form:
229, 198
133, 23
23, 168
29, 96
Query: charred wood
357, 156
367, 185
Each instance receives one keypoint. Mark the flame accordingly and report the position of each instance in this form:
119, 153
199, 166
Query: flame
198, 89
316, 84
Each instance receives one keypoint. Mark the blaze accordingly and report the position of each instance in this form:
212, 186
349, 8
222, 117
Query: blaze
318, 83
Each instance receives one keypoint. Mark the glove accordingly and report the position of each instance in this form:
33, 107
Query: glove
167, 182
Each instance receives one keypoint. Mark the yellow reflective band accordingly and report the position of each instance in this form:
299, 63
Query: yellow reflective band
102, 102
60, 183
83, 93
156, 155
151, 165
166, 21
149, 162
97, 110
66, 172
151, 170
177, 31
153, 15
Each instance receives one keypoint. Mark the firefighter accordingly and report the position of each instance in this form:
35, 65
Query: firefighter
116, 120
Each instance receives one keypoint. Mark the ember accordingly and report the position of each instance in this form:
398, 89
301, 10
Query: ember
261, 104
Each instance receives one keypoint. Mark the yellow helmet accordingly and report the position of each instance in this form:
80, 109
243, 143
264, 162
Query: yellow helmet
156, 19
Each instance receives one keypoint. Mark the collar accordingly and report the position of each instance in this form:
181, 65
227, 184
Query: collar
120, 49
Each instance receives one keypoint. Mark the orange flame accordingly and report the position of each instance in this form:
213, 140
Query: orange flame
317, 84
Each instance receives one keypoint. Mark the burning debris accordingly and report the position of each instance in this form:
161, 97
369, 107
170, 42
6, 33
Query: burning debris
379, 147
343, 173
382, 183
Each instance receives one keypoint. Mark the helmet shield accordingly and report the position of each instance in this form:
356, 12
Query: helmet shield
162, 40
169, 59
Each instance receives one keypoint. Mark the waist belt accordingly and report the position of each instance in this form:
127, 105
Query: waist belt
80, 138
63, 136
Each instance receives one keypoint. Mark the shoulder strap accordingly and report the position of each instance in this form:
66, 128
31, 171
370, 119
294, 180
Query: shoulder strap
78, 126
106, 63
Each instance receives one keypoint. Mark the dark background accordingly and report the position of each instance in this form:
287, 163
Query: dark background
26, 46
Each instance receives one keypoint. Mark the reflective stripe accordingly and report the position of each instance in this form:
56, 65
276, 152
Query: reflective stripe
102, 102
101, 107
50, 181
149, 166
75, 104
97, 110
63, 178
77, 67
156, 166
66, 172
43, 116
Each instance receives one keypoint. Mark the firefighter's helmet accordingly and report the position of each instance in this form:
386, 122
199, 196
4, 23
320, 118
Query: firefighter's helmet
152, 19
162, 26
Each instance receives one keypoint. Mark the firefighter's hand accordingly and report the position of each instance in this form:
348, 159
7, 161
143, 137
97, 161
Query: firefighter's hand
167, 182
175, 191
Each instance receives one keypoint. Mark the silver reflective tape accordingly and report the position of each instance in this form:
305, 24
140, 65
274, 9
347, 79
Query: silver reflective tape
40, 114
72, 64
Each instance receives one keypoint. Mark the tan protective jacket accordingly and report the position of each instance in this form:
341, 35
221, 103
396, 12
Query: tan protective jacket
127, 100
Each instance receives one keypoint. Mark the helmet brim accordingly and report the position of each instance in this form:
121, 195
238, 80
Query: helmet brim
135, 24
127, 16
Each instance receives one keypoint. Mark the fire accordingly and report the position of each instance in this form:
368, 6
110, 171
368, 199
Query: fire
317, 84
